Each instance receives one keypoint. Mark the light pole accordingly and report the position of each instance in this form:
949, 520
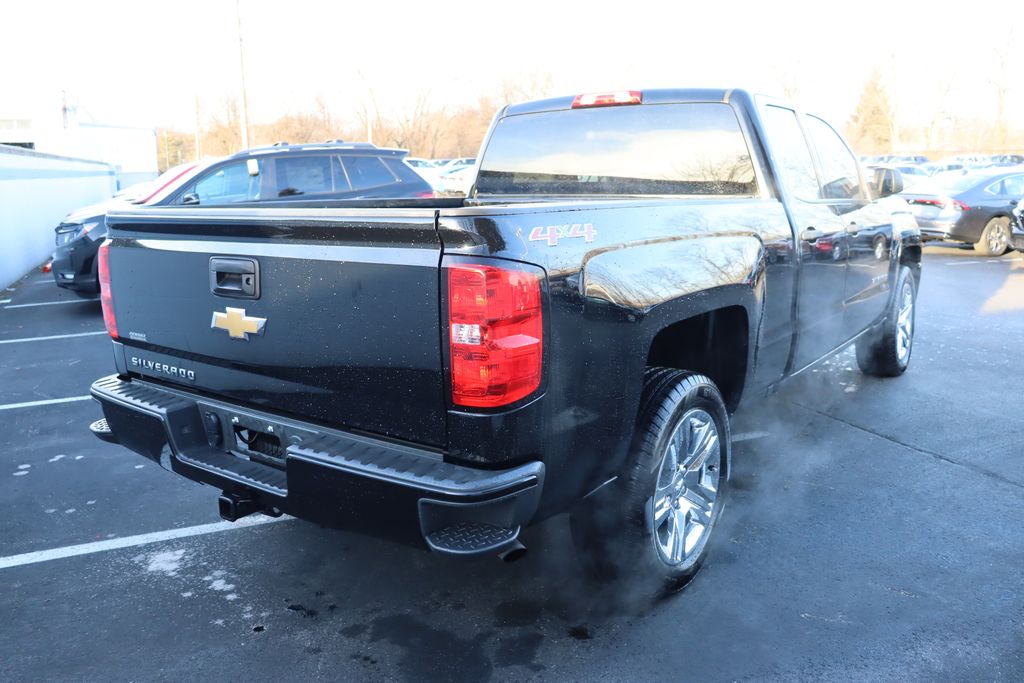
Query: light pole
241, 71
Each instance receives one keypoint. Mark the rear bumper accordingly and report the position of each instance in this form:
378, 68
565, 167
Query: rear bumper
326, 476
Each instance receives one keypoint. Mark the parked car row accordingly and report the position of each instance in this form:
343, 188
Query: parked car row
921, 165
446, 176
281, 172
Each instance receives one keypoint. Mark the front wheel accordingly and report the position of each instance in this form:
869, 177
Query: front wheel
884, 351
652, 527
995, 238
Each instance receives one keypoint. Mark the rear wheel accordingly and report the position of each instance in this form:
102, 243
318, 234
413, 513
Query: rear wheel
884, 351
995, 238
653, 525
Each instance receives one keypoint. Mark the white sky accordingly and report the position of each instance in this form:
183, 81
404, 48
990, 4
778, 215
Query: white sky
144, 63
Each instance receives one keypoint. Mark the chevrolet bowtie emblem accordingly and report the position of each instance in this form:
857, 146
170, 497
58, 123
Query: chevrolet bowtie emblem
237, 323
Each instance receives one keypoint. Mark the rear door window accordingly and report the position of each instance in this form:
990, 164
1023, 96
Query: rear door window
792, 157
303, 175
367, 172
647, 149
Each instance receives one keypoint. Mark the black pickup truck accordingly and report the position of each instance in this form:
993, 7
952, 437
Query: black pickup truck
572, 336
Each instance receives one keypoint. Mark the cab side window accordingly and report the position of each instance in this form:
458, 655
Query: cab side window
229, 183
838, 165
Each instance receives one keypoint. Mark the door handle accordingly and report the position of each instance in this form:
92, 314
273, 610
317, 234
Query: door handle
235, 277
811, 235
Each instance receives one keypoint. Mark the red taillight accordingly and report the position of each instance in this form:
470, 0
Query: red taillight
495, 334
425, 194
942, 203
608, 99
106, 298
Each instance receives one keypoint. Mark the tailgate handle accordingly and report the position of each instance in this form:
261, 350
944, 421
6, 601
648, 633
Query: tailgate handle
238, 278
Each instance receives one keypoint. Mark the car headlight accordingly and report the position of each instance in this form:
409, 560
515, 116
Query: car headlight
86, 227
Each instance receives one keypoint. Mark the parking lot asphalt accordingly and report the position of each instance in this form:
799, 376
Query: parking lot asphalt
873, 533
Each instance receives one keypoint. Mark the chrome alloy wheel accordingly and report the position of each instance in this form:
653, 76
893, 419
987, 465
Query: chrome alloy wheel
998, 237
905, 323
682, 509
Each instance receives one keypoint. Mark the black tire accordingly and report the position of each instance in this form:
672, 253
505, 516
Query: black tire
880, 351
615, 532
995, 238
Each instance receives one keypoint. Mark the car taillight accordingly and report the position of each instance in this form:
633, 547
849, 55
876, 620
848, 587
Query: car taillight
960, 205
495, 328
608, 99
106, 298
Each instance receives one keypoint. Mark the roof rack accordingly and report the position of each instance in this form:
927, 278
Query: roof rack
282, 147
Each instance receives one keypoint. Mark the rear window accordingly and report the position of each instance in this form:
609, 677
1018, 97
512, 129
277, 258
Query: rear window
693, 148
401, 171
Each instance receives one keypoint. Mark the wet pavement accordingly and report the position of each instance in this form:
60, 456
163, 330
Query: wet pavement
873, 533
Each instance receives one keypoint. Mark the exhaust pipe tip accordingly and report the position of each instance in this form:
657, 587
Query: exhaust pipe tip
513, 553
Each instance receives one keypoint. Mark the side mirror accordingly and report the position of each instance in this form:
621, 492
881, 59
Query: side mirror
890, 182
190, 198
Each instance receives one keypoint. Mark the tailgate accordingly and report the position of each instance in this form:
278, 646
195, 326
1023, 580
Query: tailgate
327, 315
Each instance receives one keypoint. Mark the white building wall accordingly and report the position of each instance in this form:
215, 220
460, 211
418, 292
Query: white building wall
55, 128
36, 192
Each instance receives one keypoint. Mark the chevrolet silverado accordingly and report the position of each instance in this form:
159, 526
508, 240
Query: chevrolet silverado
573, 336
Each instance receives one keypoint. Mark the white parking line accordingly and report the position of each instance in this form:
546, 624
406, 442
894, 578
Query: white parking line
5, 301
988, 260
54, 336
53, 303
133, 541
47, 402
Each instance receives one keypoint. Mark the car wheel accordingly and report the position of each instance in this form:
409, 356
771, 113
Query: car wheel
995, 238
884, 351
652, 524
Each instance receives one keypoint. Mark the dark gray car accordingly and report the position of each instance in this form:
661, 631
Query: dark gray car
974, 208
